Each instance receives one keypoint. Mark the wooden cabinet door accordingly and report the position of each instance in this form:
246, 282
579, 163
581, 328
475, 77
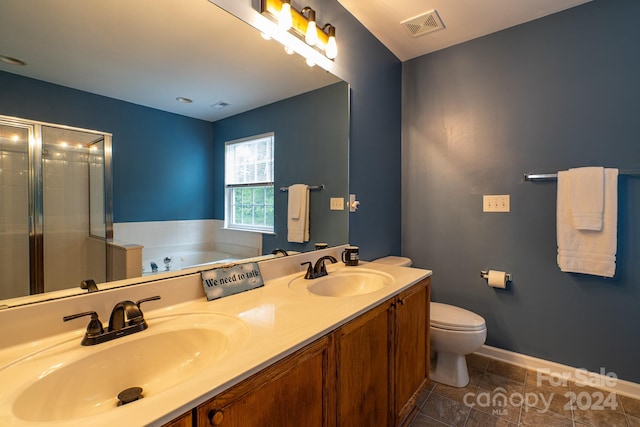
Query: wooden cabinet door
185, 420
363, 382
293, 392
411, 347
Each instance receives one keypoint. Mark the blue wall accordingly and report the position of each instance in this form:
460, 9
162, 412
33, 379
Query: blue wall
552, 94
161, 161
311, 147
375, 77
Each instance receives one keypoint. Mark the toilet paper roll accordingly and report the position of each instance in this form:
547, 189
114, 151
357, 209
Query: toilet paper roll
497, 279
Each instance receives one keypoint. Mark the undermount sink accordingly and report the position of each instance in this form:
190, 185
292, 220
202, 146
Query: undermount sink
85, 381
345, 282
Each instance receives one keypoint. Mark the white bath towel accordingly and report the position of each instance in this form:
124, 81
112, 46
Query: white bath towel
587, 197
298, 214
588, 251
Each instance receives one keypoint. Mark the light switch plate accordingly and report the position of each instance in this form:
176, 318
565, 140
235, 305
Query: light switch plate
337, 203
496, 203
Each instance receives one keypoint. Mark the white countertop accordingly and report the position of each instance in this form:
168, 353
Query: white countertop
278, 322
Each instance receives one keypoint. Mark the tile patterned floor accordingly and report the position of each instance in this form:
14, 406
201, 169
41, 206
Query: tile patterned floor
505, 395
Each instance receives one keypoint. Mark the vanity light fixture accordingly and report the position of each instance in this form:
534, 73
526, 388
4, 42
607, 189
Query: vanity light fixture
311, 35
303, 24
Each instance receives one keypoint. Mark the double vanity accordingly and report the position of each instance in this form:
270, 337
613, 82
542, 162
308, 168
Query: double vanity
348, 348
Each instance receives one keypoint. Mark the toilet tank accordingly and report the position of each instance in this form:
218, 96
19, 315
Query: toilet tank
399, 261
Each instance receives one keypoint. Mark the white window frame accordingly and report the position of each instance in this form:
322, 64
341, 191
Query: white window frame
233, 184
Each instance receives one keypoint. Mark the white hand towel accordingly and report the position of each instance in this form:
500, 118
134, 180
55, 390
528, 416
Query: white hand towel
298, 214
587, 197
588, 251
296, 194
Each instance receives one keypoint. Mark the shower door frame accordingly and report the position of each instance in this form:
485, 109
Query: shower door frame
35, 194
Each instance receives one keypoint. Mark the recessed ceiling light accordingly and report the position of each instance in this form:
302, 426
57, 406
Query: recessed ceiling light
184, 100
12, 60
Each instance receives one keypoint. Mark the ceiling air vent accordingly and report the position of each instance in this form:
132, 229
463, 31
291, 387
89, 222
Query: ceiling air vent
220, 104
423, 24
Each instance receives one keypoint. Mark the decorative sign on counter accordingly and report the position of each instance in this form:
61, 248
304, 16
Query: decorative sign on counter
222, 282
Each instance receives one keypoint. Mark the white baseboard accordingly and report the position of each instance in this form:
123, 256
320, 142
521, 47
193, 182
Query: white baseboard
556, 370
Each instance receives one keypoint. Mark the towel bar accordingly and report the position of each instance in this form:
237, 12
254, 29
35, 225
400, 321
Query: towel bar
554, 176
311, 187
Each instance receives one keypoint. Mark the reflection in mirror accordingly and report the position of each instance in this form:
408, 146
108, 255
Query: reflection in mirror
168, 186
54, 229
14, 160
311, 147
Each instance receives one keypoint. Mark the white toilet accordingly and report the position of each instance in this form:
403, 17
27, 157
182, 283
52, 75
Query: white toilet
455, 332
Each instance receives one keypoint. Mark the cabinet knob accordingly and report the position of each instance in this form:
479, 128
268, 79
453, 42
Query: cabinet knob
216, 417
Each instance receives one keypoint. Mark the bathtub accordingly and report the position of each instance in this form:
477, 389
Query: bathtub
184, 259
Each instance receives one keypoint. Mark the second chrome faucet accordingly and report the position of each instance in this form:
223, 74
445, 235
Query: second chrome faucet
126, 319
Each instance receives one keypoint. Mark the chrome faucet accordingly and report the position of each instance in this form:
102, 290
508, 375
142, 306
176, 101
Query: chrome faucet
126, 319
319, 269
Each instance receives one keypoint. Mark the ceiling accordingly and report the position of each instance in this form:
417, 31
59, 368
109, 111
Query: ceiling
149, 52
463, 20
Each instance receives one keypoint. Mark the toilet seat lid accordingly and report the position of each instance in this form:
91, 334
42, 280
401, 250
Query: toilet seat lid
445, 316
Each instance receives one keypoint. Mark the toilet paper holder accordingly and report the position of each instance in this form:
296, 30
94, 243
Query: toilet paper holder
485, 275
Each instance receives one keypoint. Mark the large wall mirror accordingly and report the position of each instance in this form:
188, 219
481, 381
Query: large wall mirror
125, 69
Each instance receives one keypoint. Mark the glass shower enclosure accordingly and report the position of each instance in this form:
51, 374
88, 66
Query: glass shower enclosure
55, 214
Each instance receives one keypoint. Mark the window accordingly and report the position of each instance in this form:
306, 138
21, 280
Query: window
249, 183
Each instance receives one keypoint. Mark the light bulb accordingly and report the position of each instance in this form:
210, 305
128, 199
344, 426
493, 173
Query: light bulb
310, 62
285, 21
312, 34
265, 36
331, 49
288, 50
